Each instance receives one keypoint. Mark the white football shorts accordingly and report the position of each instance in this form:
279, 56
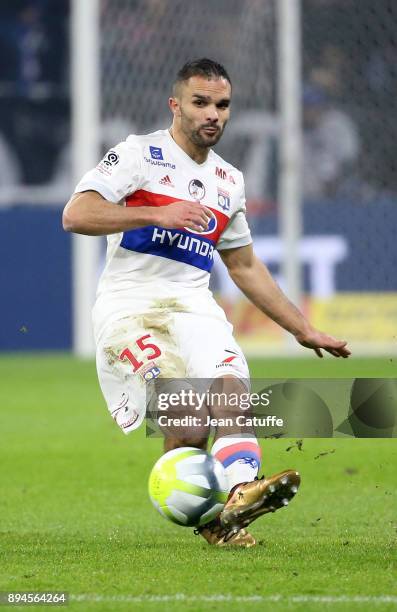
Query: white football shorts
139, 348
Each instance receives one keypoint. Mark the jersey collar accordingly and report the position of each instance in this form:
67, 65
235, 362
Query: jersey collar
186, 158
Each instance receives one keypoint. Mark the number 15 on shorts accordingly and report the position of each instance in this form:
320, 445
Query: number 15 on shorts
147, 351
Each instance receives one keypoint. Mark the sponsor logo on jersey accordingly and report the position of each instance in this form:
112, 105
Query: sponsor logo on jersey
156, 152
223, 199
196, 189
107, 164
156, 162
178, 245
225, 176
182, 241
166, 181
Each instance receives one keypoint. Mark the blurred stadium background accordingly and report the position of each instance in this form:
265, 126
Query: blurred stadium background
343, 211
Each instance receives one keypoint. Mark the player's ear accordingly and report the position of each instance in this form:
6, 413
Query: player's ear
174, 105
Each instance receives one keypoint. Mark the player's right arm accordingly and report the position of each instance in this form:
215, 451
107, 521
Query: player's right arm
90, 213
97, 206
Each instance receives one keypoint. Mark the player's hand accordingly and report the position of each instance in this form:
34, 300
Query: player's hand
317, 340
192, 215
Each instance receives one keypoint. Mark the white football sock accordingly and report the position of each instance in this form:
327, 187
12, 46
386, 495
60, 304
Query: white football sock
240, 456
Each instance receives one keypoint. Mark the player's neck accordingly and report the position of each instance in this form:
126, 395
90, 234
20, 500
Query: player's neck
198, 154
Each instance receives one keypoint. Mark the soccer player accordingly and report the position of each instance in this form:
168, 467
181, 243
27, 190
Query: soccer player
166, 200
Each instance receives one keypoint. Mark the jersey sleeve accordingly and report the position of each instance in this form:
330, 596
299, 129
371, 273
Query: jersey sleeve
118, 174
237, 232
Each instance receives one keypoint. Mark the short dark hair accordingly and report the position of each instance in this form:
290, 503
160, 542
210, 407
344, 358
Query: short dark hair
201, 67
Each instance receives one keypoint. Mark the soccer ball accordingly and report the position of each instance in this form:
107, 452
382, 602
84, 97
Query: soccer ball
188, 486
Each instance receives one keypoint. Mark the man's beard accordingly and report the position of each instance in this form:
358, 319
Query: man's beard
197, 138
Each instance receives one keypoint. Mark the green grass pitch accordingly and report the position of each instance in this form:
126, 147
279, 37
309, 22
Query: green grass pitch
75, 513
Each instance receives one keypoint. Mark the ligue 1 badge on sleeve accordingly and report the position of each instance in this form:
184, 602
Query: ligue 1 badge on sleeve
196, 189
107, 164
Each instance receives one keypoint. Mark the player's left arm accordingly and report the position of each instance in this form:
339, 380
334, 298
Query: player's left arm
254, 279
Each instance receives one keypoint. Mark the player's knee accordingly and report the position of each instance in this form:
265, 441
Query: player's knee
228, 395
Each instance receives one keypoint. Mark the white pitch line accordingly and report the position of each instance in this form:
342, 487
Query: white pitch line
358, 599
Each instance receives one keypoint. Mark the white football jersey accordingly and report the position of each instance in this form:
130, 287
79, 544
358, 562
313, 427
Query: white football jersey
150, 267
